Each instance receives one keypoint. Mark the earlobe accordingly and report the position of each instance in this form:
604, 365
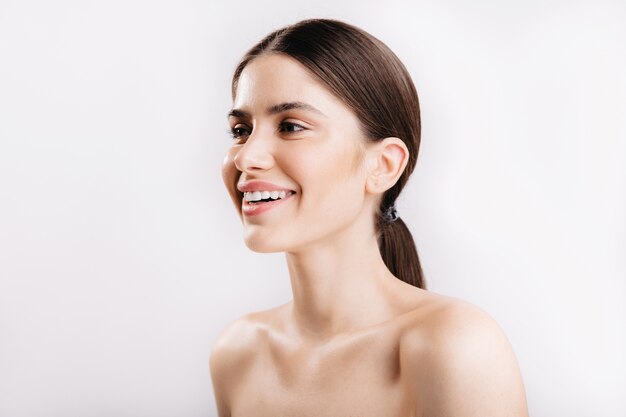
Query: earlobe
386, 161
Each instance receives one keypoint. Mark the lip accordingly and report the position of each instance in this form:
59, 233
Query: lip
261, 186
256, 209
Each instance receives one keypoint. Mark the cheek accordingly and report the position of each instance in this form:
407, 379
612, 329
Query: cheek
323, 172
230, 176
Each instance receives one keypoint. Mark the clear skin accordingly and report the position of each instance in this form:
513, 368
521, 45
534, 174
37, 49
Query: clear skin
354, 340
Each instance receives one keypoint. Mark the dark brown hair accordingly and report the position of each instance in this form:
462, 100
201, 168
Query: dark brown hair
371, 80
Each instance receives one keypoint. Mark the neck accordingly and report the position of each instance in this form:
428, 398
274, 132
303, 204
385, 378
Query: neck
341, 284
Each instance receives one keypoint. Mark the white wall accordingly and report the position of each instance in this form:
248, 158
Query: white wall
121, 256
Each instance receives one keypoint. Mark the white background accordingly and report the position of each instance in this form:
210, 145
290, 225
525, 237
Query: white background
121, 255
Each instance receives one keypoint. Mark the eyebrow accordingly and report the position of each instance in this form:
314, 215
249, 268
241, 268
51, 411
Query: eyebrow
277, 108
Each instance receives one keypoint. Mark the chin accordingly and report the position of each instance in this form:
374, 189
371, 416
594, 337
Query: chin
263, 244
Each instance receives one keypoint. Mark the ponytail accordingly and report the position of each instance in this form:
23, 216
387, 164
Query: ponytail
399, 252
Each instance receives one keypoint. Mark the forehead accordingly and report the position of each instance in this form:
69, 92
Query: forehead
277, 78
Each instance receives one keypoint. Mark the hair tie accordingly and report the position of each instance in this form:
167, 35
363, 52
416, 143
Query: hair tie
390, 215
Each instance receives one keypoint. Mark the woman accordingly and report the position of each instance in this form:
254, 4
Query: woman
326, 131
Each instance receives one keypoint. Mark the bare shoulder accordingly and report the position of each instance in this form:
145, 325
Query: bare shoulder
231, 356
233, 341
460, 362
236, 344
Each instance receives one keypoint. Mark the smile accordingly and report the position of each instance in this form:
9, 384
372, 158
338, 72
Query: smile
251, 208
265, 195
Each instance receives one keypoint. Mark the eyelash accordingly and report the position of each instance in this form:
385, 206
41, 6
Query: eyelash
234, 135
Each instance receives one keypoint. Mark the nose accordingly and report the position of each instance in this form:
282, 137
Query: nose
255, 154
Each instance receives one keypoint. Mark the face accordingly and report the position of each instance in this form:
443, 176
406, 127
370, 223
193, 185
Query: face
314, 151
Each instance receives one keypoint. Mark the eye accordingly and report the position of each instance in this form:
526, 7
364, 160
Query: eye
235, 132
293, 125
238, 132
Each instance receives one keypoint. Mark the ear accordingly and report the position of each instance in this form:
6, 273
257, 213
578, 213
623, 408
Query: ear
386, 162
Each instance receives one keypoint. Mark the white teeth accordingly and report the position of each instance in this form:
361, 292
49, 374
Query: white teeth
263, 195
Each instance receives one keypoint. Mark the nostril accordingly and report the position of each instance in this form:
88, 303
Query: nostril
250, 160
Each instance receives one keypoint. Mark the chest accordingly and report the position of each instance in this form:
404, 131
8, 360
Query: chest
356, 379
